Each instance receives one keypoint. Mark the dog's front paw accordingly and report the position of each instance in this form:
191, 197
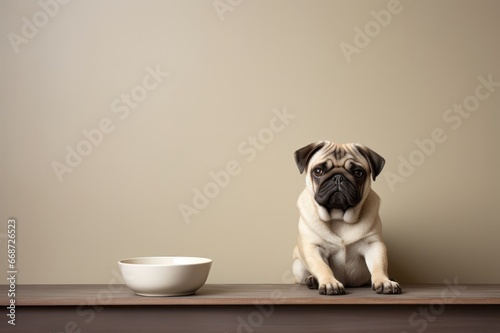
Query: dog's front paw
386, 286
311, 282
331, 288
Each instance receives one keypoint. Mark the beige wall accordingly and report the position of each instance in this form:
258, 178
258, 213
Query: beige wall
173, 92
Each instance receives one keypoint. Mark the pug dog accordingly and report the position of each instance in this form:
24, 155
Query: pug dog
340, 233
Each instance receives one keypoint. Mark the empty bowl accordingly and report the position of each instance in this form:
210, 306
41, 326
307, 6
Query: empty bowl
165, 276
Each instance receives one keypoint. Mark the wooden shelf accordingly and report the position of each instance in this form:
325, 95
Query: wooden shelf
249, 294
246, 308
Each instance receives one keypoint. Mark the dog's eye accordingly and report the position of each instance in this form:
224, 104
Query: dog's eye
358, 173
318, 172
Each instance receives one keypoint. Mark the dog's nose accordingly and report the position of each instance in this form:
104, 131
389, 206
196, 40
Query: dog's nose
338, 179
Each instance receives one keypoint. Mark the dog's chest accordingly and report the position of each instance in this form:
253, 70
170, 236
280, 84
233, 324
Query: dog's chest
345, 257
344, 242
346, 235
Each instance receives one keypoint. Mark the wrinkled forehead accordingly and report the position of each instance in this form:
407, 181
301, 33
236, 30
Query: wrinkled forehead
337, 155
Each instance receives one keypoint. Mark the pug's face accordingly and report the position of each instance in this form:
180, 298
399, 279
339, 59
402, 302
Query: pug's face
338, 175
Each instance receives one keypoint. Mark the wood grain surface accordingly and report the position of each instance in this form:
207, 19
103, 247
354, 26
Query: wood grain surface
249, 294
244, 308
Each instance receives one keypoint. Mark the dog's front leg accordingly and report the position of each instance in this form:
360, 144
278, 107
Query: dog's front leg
376, 261
317, 265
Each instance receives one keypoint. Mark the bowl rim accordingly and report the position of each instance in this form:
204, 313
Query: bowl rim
203, 261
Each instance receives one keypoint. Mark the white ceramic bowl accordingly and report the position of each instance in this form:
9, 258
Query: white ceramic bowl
165, 276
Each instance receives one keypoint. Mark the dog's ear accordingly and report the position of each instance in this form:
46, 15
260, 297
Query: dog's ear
304, 154
375, 160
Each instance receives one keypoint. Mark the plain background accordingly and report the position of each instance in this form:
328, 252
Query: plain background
232, 67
